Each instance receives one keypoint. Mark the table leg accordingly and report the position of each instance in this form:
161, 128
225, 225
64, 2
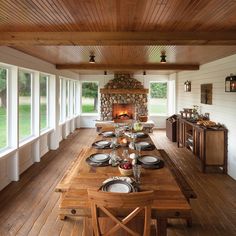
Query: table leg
161, 227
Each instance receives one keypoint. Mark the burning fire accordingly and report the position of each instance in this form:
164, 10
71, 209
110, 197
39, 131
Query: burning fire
123, 113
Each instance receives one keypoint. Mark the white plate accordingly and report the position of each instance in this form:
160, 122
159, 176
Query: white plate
149, 160
143, 144
99, 157
102, 143
117, 186
108, 133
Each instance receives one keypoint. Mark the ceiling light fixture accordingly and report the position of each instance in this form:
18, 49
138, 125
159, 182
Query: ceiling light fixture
91, 59
163, 57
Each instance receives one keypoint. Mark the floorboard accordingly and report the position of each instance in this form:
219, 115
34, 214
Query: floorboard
30, 206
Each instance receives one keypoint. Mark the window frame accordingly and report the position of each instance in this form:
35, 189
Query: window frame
68, 98
81, 99
3, 149
149, 96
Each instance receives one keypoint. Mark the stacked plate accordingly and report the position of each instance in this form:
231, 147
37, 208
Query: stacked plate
151, 162
108, 134
101, 144
145, 146
141, 135
117, 186
98, 159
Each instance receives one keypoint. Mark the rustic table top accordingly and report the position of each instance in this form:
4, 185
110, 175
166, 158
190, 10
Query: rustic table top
169, 200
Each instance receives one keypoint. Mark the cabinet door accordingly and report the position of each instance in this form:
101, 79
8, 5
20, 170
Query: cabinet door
199, 143
215, 147
181, 131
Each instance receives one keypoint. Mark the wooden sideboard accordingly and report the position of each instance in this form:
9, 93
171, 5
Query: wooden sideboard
209, 145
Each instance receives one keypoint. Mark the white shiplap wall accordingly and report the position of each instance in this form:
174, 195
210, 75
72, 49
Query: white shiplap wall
223, 108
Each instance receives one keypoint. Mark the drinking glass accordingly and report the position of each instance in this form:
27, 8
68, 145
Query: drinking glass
113, 142
137, 172
125, 154
138, 148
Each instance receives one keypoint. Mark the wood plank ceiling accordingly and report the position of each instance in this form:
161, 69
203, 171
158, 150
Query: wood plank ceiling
191, 32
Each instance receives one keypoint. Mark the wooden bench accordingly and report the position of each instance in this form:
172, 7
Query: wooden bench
180, 179
64, 183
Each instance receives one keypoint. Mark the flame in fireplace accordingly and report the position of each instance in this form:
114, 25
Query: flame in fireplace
125, 112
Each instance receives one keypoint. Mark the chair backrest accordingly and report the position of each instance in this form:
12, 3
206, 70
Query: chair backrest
105, 201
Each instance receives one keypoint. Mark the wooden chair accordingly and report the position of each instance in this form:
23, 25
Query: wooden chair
105, 201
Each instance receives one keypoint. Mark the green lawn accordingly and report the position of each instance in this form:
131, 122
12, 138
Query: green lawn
24, 122
43, 116
88, 105
88, 109
2, 127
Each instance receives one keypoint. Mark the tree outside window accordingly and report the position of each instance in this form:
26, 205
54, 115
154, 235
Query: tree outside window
25, 104
89, 97
43, 101
158, 98
3, 108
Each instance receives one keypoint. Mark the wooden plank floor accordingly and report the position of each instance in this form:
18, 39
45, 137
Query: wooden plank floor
30, 206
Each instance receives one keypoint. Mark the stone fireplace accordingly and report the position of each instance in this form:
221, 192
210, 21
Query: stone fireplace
123, 98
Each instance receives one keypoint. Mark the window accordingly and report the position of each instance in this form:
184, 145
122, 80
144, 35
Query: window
25, 104
158, 98
3, 108
74, 98
60, 100
67, 98
43, 101
89, 97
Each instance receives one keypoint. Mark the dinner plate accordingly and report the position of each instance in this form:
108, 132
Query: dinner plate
143, 144
108, 133
141, 134
117, 186
99, 157
102, 143
149, 160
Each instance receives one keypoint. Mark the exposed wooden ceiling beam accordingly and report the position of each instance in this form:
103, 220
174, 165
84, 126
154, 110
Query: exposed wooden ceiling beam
125, 67
117, 38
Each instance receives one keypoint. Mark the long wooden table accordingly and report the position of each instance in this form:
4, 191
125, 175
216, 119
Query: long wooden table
169, 200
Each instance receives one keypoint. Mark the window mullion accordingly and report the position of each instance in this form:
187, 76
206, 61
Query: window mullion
35, 96
13, 114
71, 98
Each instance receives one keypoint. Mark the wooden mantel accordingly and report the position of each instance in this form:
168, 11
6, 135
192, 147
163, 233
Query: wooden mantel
123, 91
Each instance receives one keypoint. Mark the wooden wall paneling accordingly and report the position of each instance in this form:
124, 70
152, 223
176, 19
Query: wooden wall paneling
128, 54
125, 15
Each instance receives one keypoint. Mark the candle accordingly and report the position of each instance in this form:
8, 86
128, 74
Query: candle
123, 141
